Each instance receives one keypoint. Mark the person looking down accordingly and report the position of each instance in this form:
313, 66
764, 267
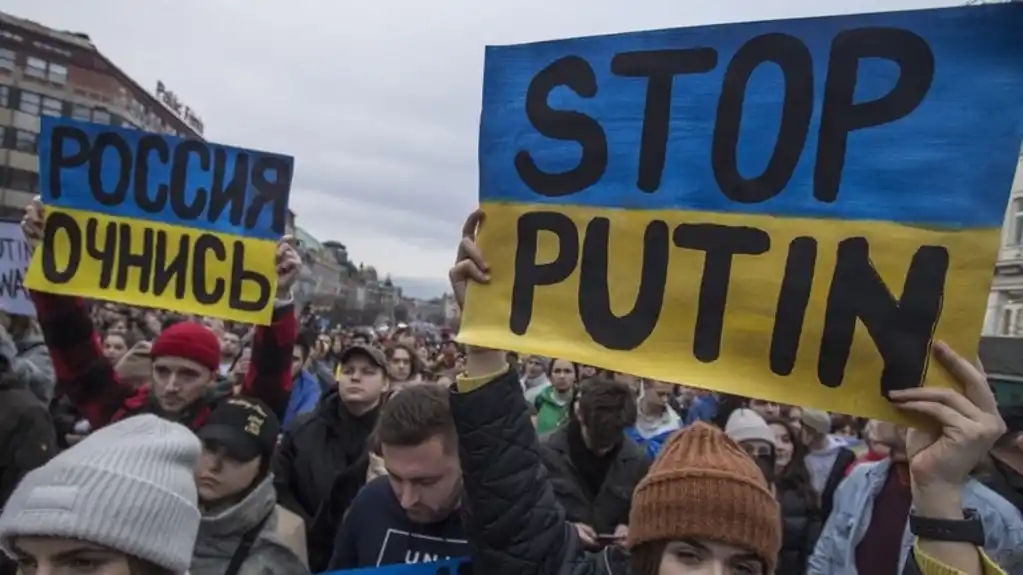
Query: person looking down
705, 507
186, 356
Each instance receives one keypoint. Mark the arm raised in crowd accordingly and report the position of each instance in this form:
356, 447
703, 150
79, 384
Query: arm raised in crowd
513, 519
82, 373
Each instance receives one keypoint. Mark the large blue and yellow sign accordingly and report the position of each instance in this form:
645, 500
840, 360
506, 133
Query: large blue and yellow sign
159, 221
791, 210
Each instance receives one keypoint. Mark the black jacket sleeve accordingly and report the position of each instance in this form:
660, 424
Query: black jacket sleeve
513, 521
282, 465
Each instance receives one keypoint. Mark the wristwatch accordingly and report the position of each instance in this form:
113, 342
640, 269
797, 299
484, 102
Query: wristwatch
969, 529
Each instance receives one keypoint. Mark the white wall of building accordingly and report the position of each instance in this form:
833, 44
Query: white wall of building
1005, 303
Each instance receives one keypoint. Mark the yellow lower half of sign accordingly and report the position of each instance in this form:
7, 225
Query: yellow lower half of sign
831, 314
152, 264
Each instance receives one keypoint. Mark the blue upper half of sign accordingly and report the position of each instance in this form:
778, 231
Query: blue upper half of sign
162, 178
445, 567
912, 117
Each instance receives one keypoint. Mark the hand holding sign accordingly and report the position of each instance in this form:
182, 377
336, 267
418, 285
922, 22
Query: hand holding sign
469, 263
32, 223
289, 263
970, 425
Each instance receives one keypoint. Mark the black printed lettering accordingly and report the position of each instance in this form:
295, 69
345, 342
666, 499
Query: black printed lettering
720, 243
175, 270
660, 67
12, 284
106, 254
100, 165
241, 275
632, 329
179, 176
149, 146
577, 75
61, 157
796, 63
271, 177
228, 194
901, 329
840, 115
127, 259
206, 244
793, 299
58, 222
528, 273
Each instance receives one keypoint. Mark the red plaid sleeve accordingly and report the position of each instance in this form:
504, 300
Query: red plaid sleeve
269, 376
83, 374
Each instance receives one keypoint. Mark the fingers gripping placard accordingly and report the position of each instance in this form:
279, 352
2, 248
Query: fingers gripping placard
160, 221
791, 210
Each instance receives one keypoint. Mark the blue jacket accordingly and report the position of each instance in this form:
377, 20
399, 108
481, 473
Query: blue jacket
835, 553
704, 408
305, 394
652, 445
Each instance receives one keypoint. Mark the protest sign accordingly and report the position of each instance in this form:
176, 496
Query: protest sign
790, 210
14, 257
159, 221
446, 567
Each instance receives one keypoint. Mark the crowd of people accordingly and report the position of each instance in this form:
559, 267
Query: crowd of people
148, 442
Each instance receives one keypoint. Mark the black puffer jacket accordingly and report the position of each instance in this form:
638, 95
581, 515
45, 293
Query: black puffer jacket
516, 526
801, 526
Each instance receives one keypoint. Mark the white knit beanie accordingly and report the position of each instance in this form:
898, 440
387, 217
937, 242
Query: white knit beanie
747, 425
129, 487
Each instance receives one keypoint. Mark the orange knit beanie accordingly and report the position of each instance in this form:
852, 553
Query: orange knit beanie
704, 486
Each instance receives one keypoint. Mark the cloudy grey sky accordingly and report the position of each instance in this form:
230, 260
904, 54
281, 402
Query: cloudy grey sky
377, 100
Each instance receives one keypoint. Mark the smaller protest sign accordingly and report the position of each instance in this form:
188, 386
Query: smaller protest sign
446, 567
14, 257
160, 221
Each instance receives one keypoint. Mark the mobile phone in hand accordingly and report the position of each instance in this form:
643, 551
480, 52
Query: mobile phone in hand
605, 539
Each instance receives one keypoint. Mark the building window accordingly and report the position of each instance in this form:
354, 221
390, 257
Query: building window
6, 59
80, 112
53, 107
31, 103
1017, 223
25, 141
57, 74
5, 96
35, 67
100, 116
24, 181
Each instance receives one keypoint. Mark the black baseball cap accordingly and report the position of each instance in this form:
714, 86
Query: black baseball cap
246, 428
371, 352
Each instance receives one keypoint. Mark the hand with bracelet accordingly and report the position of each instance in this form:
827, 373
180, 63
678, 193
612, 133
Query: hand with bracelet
940, 460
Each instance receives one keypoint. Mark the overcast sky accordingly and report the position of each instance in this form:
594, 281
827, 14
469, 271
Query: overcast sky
378, 101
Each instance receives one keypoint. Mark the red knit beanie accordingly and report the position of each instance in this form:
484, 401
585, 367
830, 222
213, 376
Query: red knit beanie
189, 340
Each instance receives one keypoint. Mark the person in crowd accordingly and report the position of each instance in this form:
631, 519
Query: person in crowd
240, 370
1003, 470
552, 403
705, 408
115, 345
827, 456
27, 436
724, 405
802, 519
868, 529
874, 432
121, 502
447, 362
587, 371
31, 365
243, 531
230, 345
534, 378
136, 366
361, 338
656, 420
186, 356
322, 363
324, 456
592, 465
305, 388
845, 426
404, 365
750, 431
765, 408
704, 507
410, 515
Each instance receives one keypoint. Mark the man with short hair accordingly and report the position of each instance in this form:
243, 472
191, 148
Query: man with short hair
186, 355
656, 420
410, 515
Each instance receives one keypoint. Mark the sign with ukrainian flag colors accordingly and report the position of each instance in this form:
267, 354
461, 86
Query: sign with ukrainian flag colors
159, 221
443, 567
789, 210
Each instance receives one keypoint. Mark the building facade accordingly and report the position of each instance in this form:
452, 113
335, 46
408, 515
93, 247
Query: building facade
50, 72
1005, 303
